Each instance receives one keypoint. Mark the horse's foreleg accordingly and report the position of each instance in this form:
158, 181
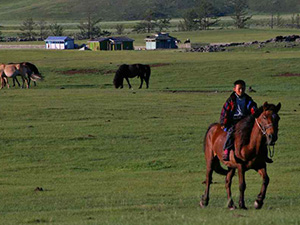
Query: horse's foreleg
141, 82
128, 82
261, 196
16, 80
242, 187
228, 181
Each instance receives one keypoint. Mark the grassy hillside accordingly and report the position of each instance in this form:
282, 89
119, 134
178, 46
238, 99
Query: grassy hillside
107, 156
117, 10
43, 9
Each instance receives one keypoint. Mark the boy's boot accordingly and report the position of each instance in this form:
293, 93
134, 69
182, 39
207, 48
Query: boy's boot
225, 155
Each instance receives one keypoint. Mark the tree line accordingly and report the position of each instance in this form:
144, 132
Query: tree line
207, 13
115, 10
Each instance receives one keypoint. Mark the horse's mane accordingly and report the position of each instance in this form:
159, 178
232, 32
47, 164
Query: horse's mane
244, 127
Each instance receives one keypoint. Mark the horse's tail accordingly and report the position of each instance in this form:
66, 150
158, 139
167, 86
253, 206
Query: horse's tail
218, 168
147, 74
147, 71
209, 154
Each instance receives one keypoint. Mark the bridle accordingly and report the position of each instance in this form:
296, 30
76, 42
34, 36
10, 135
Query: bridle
264, 132
265, 128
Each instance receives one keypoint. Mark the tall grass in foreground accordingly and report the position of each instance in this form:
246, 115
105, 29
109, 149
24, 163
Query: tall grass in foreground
106, 156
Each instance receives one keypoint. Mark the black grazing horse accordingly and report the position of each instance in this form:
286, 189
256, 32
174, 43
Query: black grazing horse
130, 71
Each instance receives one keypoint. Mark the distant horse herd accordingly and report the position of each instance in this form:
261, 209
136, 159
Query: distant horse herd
29, 72
26, 70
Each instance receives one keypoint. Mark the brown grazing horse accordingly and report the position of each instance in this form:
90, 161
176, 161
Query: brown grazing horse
252, 136
13, 70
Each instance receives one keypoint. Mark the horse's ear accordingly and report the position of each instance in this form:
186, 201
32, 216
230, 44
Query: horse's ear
265, 106
278, 107
258, 112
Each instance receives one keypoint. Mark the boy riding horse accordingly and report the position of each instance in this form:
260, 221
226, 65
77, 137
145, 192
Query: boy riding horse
237, 106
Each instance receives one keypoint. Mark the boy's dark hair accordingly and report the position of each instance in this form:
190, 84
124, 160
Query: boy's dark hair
241, 82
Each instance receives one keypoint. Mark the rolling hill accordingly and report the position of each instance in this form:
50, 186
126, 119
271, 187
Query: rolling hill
76, 10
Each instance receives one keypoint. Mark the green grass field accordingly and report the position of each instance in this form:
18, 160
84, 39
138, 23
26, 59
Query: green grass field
107, 156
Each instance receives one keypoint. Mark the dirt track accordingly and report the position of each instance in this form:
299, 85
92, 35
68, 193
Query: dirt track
22, 46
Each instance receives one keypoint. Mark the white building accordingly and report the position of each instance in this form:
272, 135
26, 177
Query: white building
59, 42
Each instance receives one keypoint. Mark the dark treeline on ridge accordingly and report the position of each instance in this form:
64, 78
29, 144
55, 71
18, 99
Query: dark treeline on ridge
135, 9
118, 10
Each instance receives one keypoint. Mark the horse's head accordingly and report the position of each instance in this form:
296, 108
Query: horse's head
267, 120
118, 79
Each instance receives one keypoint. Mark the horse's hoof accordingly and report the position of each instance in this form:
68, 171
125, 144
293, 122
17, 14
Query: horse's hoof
258, 204
232, 207
202, 205
243, 207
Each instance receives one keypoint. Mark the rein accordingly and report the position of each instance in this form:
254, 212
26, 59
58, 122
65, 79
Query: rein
264, 131
271, 152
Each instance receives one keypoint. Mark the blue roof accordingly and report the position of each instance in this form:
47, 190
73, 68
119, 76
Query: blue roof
58, 38
161, 37
121, 39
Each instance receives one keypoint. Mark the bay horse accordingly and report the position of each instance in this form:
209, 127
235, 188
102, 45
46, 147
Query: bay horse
11, 71
32, 73
253, 135
130, 71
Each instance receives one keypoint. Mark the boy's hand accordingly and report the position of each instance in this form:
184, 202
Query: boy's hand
224, 128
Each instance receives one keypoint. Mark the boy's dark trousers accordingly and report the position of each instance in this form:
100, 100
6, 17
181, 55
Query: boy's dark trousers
229, 139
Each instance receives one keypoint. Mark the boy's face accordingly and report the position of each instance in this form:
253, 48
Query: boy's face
239, 89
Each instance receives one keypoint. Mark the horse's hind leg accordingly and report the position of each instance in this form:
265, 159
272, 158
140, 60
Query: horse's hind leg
29, 80
128, 82
209, 170
15, 79
261, 196
25, 80
3, 83
6, 81
147, 81
141, 82
228, 181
